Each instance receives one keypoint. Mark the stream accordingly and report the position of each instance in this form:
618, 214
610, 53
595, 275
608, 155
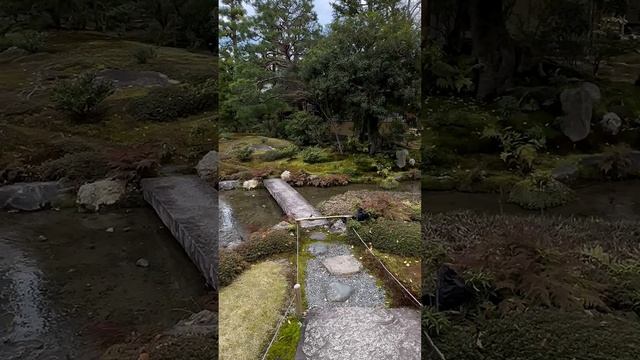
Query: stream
251, 210
69, 288
611, 201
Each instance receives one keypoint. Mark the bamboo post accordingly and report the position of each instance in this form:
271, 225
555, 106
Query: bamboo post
296, 289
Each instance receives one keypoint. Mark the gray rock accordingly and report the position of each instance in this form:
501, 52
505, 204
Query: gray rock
342, 265
401, 158
228, 185
207, 167
286, 175
250, 184
566, 172
317, 249
593, 90
203, 323
360, 333
577, 104
338, 227
110, 230
101, 193
29, 196
282, 225
611, 123
14, 51
142, 262
338, 292
318, 236
134, 78
261, 147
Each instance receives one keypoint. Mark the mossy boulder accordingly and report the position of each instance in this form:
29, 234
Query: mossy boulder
540, 192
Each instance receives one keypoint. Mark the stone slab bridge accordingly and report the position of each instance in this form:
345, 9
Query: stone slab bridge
188, 206
292, 203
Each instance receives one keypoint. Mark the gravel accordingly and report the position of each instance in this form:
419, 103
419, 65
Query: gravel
365, 291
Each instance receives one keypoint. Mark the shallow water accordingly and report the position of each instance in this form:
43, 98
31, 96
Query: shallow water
256, 209
69, 288
611, 201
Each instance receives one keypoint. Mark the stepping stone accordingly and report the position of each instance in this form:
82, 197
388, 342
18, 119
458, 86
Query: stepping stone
318, 249
338, 292
318, 236
342, 265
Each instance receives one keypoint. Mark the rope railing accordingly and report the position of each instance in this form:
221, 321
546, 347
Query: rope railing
278, 326
370, 250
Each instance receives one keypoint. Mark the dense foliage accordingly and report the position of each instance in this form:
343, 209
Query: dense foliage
297, 80
187, 23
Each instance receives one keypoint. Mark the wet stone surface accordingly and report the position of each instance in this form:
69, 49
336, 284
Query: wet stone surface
342, 265
361, 334
317, 249
318, 236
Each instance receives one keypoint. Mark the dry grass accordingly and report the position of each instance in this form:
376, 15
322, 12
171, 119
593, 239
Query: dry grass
249, 310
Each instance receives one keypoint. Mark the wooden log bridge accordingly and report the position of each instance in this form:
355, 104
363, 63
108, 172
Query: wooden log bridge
188, 206
292, 203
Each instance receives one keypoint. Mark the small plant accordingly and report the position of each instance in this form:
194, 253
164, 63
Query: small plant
616, 162
313, 155
244, 153
434, 322
174, 102
81, 96
31, 41
518, 150
352, 145
143, 54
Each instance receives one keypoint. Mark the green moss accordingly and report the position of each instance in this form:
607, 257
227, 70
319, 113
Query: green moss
286, 343
540, 192
395, 237
544, 334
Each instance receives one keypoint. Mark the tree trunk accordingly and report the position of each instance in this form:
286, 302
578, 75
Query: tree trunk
492, 47
373, 132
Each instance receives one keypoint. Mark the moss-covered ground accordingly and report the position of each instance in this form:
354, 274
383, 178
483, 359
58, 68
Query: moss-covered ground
539, 287
249, 310
27, 115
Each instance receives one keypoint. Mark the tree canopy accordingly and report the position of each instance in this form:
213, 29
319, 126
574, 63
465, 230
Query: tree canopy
363, 67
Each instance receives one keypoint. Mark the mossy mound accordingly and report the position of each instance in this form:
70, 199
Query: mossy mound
394, 237
536, 193
260, 246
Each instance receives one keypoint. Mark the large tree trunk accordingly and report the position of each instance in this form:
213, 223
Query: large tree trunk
492, 47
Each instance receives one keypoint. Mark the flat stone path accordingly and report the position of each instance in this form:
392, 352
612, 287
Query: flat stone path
188, 206
347, 317
292, 203
335, 274
361, 333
